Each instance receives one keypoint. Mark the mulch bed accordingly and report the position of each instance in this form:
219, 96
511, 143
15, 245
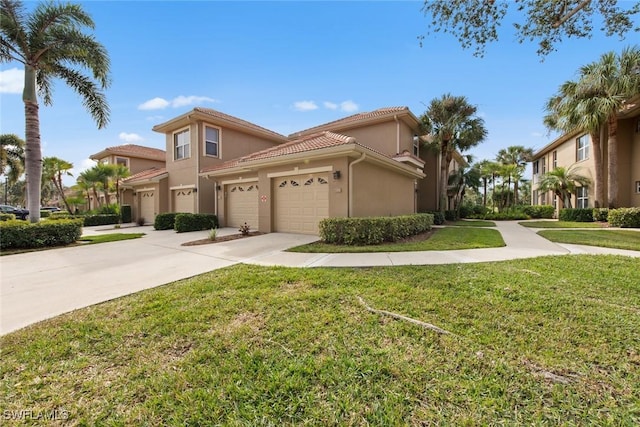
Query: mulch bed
222, 239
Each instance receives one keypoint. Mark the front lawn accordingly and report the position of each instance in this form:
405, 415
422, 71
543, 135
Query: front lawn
472, 223
618, 239
531, 342
563, 224
113, 237
439, 239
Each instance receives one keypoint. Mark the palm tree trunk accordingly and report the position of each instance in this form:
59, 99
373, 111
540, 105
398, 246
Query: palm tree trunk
484, 191
58, 183
597, 160
613, 161
444, 166
33, 152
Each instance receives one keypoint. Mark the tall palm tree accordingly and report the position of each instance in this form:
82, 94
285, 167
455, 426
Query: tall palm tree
90, 179
453, 125
516, 155
563, 182
53, 169
120, 172
11, 157
604, 87
50, 43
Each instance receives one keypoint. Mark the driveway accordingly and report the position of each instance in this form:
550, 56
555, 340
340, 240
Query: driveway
39, 285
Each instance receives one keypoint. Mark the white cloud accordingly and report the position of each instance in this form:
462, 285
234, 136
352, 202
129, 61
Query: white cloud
305, 106
130, 137
154, 104
348, 106
330, 105
84, 165
12, 81
177, 102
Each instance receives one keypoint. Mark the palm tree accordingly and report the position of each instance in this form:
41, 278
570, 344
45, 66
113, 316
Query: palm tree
515, 155
120, 172
53, 169
11, 157
453, 125
603, 90
50, 44
90, 179
563, 182
459, 180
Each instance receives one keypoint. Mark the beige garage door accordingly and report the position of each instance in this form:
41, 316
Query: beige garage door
242, 205
301, 202
147, 206
184, 200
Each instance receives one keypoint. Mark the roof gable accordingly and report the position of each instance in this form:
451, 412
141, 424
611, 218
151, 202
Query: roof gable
132, 150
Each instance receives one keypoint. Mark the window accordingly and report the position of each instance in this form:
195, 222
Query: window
638, 187
544, 165
543, 198
555, 159
536, 167
582, 147
582, 197
122, 161
181, 145
211, 141
416, 145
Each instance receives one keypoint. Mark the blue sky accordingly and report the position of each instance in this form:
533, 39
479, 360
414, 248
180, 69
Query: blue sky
291, 65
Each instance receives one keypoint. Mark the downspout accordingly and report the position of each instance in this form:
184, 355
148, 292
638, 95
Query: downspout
361, 158
197, 150
395, 117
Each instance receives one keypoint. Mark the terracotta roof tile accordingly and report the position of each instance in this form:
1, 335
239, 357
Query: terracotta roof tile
133, 150
353, 119
145, 175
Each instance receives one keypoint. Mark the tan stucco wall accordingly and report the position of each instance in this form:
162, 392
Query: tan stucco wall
135, 164
381, 192
428, 186
383, 137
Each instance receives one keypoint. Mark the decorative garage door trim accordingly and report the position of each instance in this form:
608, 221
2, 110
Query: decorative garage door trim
184, 200
298, 171
239, 181
242, 204
300, 202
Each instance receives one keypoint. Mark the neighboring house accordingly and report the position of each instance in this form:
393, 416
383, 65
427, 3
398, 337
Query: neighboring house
138, 159
575, 150
367, 164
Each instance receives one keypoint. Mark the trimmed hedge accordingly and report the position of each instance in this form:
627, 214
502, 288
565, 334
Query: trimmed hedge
102, 219
624, 217
165, 221
373, 230
539, 211
45, 214
502, 216
54, 216
438, 217
7, 217
600, 214
576, 215
195, 222
24, 235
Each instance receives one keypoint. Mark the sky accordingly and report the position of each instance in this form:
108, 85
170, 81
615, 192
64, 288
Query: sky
291, 65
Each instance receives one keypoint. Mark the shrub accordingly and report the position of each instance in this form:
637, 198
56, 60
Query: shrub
624, 217
7, 217
21, 234
63, 215
125, 213
106, 219
539, 211
165, 221
451, 215
600, 214
373, 230
576, 215
45, 214
244, 229
438, 217
111, 209
195, 222
502, 216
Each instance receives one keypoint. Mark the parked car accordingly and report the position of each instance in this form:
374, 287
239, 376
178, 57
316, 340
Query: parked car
18, 212
50, 208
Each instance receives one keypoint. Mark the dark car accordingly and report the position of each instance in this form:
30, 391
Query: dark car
18, 212
50, 208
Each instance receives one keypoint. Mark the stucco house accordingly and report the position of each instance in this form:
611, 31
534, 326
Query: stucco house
366, 164
576, 150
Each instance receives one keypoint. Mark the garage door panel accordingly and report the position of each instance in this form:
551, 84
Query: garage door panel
242, 205
184, 201
147, 206
300, 203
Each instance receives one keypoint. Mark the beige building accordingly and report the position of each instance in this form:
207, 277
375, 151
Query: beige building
367, 164
575, 150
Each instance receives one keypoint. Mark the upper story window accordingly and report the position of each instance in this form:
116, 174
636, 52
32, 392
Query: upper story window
582, 148
122, 161
536, 167
181, 145
211, 141
416, 145
555, 159
544, 165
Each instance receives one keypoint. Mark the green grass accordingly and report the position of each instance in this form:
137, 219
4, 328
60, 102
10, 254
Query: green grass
619, 239
443, 239
252, 345
472, 223
113, 237
562, 224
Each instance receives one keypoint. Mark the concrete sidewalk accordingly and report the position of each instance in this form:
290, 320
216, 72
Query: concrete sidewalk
39, 285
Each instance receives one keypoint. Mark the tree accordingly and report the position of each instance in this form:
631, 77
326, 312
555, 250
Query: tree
459, 180
53, 170
11, 157
609, 83
90, 179
518, 156
476, 23
453, 125
562, 182
120, 172
50, 43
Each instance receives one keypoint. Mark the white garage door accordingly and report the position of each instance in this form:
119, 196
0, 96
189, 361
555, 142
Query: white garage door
183, 201
147, 206
242, 205
301, 202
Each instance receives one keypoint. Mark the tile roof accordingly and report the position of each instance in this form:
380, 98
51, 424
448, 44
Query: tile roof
354, 119
146, 174
308, 143
133, 150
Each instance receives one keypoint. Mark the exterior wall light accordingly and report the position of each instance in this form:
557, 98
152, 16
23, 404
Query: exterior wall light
336, 175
